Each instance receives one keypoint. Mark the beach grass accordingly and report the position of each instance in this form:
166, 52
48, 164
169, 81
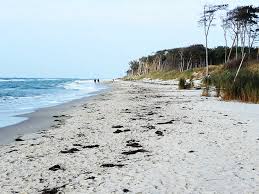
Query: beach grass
245, 88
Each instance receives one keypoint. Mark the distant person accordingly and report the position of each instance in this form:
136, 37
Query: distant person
98, 80
94, 80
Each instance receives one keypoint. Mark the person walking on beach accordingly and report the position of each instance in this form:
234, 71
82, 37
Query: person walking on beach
94, 80
98, 80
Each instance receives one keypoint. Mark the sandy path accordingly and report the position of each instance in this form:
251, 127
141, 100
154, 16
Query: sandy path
165, 141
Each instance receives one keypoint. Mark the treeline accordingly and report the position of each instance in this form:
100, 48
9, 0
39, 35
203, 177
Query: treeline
240, 25
183, 59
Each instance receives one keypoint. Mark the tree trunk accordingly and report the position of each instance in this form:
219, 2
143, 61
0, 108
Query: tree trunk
226, 46
207, 57
237, 46
229, 55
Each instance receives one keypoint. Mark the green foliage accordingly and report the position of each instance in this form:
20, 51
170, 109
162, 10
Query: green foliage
245, 88
207, 81
182, 83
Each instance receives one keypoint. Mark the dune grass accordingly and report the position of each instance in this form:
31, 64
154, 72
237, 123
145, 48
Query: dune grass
245, 88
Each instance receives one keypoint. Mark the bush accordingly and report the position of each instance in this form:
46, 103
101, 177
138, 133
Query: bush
207, 81
182, 83
245, 88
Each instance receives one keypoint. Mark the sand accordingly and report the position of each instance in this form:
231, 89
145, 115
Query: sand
140, 137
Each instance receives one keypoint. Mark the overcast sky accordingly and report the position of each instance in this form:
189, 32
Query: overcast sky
94, 38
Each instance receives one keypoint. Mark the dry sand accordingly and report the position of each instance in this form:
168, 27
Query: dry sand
140, 138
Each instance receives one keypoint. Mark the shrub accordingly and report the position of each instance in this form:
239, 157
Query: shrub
181, 83
245, 88
207, 81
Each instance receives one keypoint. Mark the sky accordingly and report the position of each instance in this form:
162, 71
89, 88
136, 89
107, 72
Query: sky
95, 38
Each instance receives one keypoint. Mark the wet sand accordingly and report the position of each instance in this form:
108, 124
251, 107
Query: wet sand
139, 138
39, 120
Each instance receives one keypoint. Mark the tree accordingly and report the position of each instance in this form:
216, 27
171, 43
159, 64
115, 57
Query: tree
243, 20
206, 20
134, 65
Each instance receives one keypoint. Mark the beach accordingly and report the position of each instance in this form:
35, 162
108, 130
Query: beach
139, 137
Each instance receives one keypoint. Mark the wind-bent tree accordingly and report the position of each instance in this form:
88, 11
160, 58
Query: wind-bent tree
206, 20
243, 20
134, 65
252, 35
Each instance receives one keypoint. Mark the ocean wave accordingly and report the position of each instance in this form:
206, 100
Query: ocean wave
82, 85
17, 98
48, 79
16, 79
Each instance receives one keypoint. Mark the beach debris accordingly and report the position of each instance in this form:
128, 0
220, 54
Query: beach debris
131, 141
80, 135
126, 111
41, 180
91, 146
112, 165
54, 190
117, 126
188, 123
70, 151
134, 145
167, 122
191, 151
240, 123
11, 151
60, 116
118, 131
76, 144
56, 168
159, 133
134, 152
149, 126
91, 178
151, 113
121, 131
19, 139
126, 190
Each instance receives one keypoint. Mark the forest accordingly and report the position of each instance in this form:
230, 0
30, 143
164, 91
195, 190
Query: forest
240, 27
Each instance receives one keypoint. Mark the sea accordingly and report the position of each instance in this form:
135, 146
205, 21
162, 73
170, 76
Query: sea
25, 95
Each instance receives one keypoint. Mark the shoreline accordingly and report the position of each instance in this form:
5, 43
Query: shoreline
40, 119
140, 138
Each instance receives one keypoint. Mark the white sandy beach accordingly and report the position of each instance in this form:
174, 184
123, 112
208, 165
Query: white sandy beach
140, 138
